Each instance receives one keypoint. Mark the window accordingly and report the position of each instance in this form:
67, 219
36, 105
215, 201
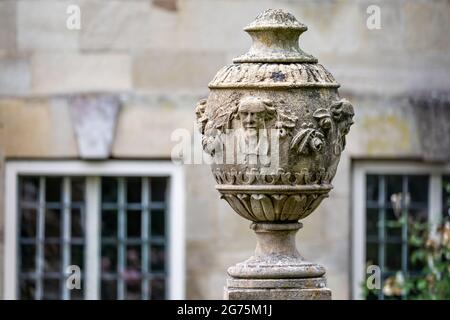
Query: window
384, 196
133, 246
51, 236
123, 231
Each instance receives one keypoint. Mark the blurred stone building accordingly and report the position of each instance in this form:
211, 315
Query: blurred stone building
86, 123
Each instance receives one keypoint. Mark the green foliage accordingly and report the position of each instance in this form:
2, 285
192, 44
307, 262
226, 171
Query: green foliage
431, 250
429, 256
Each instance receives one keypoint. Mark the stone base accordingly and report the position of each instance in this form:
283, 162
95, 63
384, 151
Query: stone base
276, 271
277, 289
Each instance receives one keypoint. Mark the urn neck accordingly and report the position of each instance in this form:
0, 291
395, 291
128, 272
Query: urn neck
276, 239
275, 36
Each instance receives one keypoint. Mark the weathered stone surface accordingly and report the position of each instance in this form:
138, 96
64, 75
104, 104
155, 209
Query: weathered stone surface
277, 294
165, 70
198, 20
394, 60
432, 113
332, 23
260, 75
310, 130
274, 99
384, 130
145, 116
421, 34
8, 27
115, 25
201, 188
291, 288
378, 41
36, 127
276, 255
302, 283
42, 25
170, 5
94, 120
55, 73
277, 289
15, 78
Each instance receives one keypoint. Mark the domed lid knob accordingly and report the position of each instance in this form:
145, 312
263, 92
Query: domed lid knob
275, 36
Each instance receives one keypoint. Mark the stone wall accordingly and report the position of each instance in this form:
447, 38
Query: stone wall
158, 56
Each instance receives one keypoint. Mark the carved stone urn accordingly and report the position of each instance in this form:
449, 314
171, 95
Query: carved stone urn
275, 127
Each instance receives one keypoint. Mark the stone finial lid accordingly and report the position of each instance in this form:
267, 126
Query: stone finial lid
275, 19
275, 36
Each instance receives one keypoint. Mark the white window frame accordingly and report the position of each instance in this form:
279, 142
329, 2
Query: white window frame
360, 169
92, 170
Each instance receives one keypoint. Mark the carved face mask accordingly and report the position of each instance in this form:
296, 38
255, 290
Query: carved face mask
252, 114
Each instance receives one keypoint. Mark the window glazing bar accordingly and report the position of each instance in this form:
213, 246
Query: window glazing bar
66, 237
40, 241
92, 238
381, 228
145, 235
122, 226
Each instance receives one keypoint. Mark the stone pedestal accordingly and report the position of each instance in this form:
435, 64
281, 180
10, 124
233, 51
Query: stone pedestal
276, 271
277, 289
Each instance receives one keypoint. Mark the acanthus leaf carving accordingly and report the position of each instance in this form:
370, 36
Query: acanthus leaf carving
274, 207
